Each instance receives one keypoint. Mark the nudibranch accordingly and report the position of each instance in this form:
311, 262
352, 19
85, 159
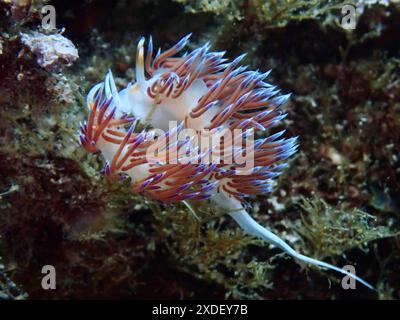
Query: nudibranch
155, 132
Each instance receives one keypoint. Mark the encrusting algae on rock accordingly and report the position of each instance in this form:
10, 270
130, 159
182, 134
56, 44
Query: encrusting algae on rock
51, 51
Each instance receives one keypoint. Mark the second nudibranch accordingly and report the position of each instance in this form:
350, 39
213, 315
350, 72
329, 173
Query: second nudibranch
198, 90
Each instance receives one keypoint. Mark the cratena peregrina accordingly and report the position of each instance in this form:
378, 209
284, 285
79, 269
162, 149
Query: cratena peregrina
200, 113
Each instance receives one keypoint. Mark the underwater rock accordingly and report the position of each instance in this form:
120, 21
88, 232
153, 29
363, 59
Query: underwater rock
19, 9
51, 51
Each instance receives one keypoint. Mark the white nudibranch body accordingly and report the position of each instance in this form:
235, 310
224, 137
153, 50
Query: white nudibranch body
196, 92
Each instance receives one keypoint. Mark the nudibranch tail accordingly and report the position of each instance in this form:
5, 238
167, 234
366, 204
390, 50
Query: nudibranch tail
252, 227
198, 91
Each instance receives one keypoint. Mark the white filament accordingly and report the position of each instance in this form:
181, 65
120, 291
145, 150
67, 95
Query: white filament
252, 227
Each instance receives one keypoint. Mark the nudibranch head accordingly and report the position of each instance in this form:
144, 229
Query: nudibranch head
199, 91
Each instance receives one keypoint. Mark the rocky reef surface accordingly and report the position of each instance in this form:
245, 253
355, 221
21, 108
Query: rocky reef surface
339, 200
